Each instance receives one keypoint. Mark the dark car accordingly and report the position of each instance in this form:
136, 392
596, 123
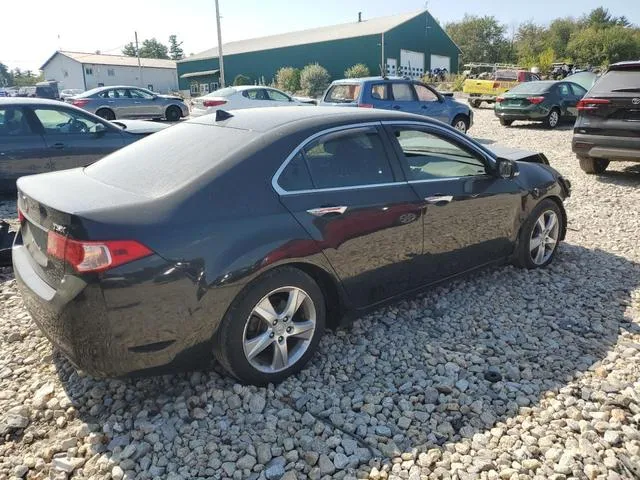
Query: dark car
38, 136
276, 224
608, 124
401, 94
545, 101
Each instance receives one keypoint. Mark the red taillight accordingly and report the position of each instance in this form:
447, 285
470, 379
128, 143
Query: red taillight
499, 99
536, 100
365, 105
79, 103
94, 256
213, 103
590, 104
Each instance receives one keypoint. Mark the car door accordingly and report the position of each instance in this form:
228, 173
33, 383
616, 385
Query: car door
430, 103
278, 99
74, 139
116, 100
568, 101
471, 214
578, 93
22, 148
256, 97
403, 97
145, 104
359, 210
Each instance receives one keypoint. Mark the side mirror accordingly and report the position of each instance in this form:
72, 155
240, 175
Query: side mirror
507, 168
100, 129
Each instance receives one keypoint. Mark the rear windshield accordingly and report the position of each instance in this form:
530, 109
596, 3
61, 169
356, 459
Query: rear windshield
223, 92
343, 93
170, 159
618, 81
531, 87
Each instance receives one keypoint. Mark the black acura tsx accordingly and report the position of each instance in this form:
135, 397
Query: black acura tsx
245, 233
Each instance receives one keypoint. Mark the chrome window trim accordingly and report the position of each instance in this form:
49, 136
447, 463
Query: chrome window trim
276, 176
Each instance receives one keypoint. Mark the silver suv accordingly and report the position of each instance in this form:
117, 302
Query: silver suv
130, 102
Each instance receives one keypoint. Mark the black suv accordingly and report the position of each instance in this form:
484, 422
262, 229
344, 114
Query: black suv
608, 124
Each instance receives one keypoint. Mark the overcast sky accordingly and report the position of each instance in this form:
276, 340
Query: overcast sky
33, 31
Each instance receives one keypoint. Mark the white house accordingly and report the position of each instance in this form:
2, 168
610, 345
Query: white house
90, 70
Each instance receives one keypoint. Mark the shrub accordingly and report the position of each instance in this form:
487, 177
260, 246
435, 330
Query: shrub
241, 80
288, 79
314, 79
358, 70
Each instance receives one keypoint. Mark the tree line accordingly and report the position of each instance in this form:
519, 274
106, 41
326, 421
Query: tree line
18, 77
153, 48
596, 39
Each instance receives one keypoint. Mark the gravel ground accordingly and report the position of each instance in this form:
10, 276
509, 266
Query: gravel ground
508, 374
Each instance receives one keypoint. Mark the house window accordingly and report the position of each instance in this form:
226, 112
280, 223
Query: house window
194, 88
88, 70
111, 72
65, 73
214, 86
204, 88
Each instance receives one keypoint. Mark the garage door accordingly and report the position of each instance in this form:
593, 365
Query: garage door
411, 63
440, 61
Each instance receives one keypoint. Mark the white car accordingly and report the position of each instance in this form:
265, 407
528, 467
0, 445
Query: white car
237, 98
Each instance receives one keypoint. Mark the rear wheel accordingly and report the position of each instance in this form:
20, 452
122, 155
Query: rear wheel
593, 165
553, 119
475, 103
461, 123
273, 327
173, 113
540, 236
505, 122
106, 113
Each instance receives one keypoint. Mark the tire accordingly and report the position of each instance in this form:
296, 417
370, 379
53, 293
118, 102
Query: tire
553, 119
593, 165
475, 103
528, 253
461, 123
505, 123
173, 114
241, 324
106, 113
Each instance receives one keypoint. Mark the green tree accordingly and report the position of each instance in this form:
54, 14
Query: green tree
546, 59
288, 79
175, 48
530, 42
241, 80
314, 79
602, 46
358, 70
6, 79
481, 39
129, 50
601, 18
559, 34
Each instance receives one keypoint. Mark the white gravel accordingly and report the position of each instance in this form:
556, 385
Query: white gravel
508, 374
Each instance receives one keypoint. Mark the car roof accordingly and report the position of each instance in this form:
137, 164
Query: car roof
371, 79
271, 118
630, 65
30, 101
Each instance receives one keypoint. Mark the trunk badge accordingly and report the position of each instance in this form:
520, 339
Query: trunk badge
61, 229
636, 101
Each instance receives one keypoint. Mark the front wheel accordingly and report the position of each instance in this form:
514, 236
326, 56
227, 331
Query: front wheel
553, 119
173, 114
106, 113
593, 165
461, 123
272, 328
540, 236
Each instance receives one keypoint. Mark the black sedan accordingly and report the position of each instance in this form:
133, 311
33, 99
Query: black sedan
545, 101
38, 135
246, 233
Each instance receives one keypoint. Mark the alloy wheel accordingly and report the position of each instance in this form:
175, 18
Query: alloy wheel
279, 329
544, 237
553, 118
461, 126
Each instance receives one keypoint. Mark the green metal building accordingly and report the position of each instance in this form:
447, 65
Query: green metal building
408, 44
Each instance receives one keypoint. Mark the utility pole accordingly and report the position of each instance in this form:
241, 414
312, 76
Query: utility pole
139, 64
220, 58
384, 62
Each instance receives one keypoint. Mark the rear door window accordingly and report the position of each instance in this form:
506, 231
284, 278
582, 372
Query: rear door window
13, 122
343, 93
379, 91
403, 92
348, 159
256, 94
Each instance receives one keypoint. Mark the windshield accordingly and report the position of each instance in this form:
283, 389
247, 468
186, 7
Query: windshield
343, 93
170, 159
531, 88
618, 81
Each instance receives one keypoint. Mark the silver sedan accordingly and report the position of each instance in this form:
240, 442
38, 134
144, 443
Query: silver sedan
130, 102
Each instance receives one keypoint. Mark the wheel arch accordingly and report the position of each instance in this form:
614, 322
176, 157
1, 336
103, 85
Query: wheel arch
558, 201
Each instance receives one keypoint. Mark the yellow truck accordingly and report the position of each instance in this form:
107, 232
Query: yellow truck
487, 89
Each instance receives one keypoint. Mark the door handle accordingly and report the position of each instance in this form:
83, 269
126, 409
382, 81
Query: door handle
439, 199
322, 211
137, 103
424, 107
396, 107
58, 146
111, 101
